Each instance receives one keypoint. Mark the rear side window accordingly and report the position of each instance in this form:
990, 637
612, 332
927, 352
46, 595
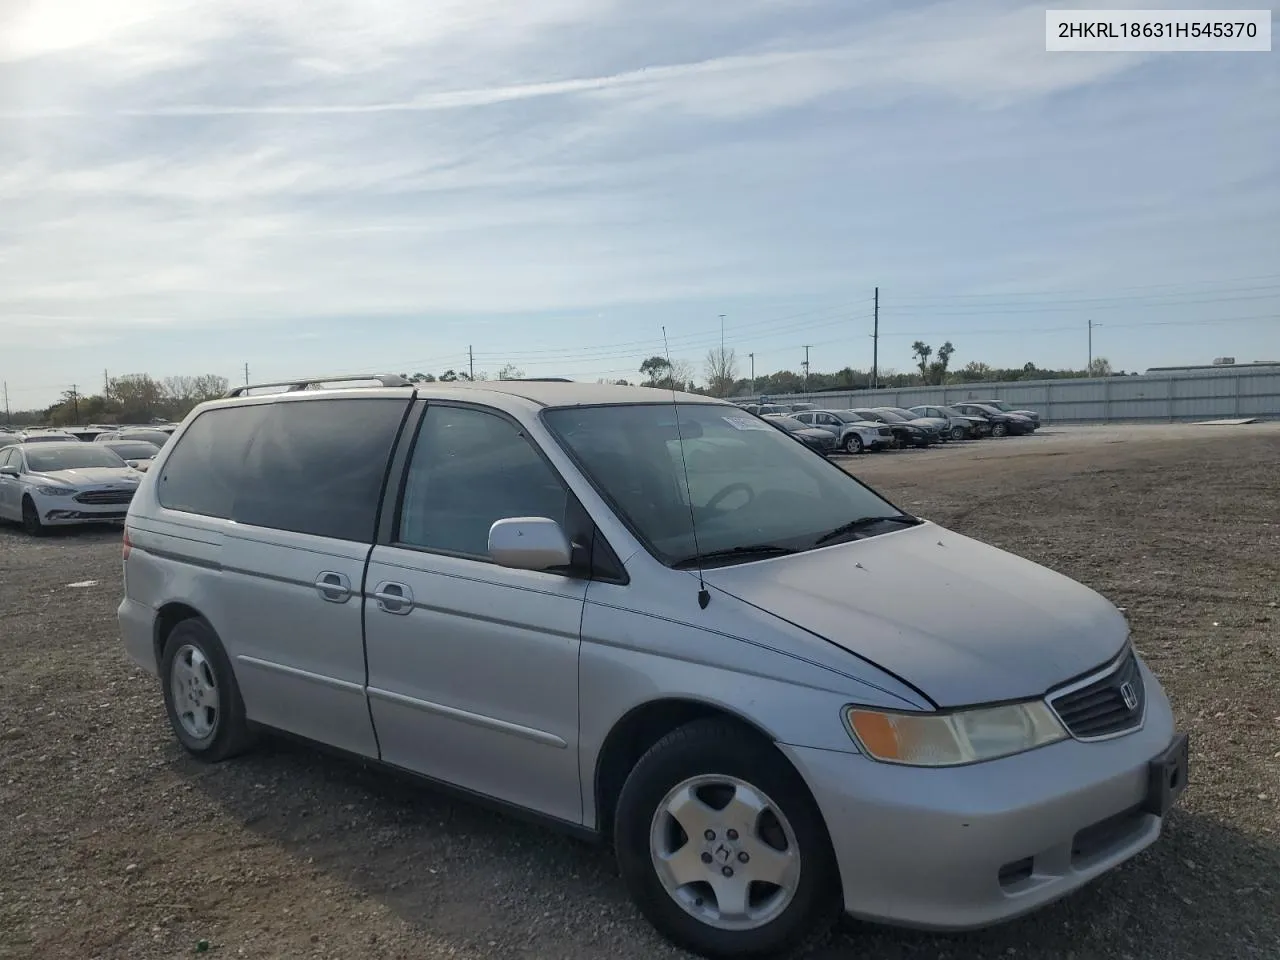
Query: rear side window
313, 467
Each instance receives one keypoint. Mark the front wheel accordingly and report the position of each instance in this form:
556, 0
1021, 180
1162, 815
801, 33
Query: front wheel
31, 523
722, 847
958, 433
853, 443
1000, 430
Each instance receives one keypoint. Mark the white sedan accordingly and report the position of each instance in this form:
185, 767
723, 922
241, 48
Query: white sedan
55, 484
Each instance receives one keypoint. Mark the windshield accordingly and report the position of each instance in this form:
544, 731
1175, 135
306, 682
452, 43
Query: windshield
998, 404
847, 416
749, 484
71, 456
48, 438
158, 437
789, 423
904, 414
887, 416
133, 449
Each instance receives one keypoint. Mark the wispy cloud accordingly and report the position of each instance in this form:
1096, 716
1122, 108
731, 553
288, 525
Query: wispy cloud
173, 165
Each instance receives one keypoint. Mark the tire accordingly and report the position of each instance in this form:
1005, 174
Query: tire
853, 444
196, 677
958, 433
716, 760
999, 429
31, 518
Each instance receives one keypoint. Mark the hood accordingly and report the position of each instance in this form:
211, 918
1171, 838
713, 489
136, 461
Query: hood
88, 476
1029, 414
990, 626
866, 424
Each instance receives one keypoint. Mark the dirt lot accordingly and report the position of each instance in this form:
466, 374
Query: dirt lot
113, 844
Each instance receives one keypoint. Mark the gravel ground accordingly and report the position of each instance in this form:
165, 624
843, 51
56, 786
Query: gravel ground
113, 844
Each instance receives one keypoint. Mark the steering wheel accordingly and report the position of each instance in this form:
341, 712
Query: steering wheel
727, 491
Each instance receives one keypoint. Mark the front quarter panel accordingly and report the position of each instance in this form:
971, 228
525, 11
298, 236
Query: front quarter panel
650, 641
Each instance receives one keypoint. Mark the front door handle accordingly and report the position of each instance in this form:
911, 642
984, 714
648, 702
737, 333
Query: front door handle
334, 587
393, 597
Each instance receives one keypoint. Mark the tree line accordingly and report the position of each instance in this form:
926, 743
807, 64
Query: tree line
132, 398
140, 398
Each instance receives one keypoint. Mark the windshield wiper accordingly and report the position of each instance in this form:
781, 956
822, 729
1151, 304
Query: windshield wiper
743, 552
853, 526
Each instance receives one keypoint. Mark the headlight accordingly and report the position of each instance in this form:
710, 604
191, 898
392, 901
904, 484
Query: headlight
56, 491
948, 739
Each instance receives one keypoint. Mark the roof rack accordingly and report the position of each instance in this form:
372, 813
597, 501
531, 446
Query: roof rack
386, 379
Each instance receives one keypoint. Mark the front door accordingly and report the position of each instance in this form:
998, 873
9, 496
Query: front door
10, 488
473, 667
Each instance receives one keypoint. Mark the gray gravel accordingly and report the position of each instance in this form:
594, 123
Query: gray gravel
114, 844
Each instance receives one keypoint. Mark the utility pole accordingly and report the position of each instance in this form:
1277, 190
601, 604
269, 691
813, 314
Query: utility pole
1090, 366
106, 384
722, 338
471, 363
806, 368
246, 374
753, 373
8, 418
875, 345
75, 403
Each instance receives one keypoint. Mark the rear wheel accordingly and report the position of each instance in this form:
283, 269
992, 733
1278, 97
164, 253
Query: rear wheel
1000, 430
31, 518
201, 695
722, 847
853, 443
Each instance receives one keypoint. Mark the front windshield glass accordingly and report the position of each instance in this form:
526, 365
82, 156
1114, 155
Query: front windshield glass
904, 414
999, 405
847, 416
134, 449
891, 417
749, 485
71, 456
789, 423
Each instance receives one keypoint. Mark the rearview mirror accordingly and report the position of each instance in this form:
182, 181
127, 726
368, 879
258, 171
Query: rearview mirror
529, 543
8, 471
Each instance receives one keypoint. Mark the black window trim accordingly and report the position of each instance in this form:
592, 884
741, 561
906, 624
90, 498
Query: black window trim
600, 563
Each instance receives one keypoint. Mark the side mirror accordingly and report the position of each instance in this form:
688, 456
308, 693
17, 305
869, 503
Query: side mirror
8, 471
529, 543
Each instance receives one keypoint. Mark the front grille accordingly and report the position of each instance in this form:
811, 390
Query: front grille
885, 432
104, 496
1100, 708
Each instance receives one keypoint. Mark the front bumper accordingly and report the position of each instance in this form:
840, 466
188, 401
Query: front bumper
61, 511
967, 847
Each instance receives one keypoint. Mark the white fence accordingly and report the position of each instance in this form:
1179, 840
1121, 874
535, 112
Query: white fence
1174, 396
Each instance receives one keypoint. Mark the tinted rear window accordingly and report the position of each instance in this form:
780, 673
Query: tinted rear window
313, 467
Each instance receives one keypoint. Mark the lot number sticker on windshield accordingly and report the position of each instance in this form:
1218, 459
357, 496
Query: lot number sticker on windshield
746, 423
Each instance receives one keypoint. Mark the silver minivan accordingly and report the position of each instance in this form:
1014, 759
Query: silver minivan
656, 621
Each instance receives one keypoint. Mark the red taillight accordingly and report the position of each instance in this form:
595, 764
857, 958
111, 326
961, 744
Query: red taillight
127, 545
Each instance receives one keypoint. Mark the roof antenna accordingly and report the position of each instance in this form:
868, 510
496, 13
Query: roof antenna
704, 597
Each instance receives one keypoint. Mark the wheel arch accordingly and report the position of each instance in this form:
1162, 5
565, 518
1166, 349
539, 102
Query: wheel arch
639, 729
168, 617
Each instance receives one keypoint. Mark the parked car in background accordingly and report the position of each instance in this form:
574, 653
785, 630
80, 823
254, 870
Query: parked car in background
1005, 407
938, 425
764, 409
822, 441
136, 453
46, 436
905, 433
145, 434
853, 434
56, 484
7, 437
660, 624
959, 426
1002, 424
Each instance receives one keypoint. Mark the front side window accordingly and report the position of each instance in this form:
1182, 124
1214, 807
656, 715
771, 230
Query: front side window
469, 468
70, 456
748, 484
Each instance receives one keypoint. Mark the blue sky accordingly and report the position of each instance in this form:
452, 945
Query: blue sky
187, 186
